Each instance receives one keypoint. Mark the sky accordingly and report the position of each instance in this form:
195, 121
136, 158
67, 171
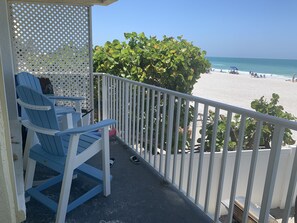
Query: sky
224, 28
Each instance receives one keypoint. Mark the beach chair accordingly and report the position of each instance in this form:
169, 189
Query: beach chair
29, 80
68, 116
64, 152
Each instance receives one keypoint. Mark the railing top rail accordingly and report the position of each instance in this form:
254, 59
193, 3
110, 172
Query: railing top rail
253, 114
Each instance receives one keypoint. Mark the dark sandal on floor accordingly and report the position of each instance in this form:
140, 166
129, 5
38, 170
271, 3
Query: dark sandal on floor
134, 160
111, 161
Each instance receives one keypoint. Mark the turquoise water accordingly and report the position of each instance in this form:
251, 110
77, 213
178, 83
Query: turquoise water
282, 67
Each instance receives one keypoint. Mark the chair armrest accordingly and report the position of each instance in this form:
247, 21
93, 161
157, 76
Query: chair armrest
38, 129
66, 98
87, 128
65, 112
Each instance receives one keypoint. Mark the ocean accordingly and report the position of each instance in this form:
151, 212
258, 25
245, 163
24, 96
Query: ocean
277, 67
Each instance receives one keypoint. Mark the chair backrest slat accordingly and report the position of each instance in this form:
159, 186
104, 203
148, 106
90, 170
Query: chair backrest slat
44, 119
27, 79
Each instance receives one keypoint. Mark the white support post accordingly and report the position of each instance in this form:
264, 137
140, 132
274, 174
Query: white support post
8, 195
146, 123
137, 121
201, 155
169, 135
142, 120
134, 119
114, 99
193, 141
271, 172
120, 111
223, 167
117, 107
236, 167
211, 161
184, 139
176, 136
7, 60
126, 112
253, 164
105, 163
291, 160
104, 97
291, 188
157, 128
99, 117
163, 131
152, 125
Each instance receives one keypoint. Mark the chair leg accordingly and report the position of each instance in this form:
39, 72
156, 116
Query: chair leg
64, 196
66, 121
67, 180
30, 141
30, 170
85, 120
30, 173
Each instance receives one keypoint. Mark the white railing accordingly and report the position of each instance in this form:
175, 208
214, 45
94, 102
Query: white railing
153, 120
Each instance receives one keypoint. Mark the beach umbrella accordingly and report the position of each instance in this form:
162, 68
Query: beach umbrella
233, 68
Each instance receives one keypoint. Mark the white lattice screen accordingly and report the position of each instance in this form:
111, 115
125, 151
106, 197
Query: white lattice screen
52, 40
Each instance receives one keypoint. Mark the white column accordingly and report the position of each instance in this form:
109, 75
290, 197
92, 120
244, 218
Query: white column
8, 204
7, 60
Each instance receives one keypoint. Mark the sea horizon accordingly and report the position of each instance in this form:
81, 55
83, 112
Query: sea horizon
284, 68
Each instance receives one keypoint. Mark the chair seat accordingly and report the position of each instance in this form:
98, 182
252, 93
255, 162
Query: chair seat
55, 162
84, 142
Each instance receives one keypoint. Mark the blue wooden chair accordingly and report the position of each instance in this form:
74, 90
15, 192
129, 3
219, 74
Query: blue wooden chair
63, 151
27, 79
68, 116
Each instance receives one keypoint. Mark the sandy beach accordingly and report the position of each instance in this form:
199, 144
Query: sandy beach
240, 90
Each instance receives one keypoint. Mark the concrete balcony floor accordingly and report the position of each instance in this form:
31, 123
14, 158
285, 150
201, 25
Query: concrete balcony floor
138, 195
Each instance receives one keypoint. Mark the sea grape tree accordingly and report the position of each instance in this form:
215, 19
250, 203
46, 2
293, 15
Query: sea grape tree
170, 63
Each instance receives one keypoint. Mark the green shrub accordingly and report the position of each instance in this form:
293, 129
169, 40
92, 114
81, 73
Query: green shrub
170, 63
260, 105
175, 64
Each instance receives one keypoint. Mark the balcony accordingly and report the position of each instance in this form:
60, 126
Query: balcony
138, 195
189, 183
178, 179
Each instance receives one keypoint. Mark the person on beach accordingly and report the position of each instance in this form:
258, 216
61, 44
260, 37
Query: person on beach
293, 78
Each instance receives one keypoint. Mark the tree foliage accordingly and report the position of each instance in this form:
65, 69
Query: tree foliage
260, 105
171, 63
272, 108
